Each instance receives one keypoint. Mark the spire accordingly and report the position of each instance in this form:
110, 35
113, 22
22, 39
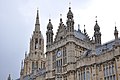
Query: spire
116, 33
37, 24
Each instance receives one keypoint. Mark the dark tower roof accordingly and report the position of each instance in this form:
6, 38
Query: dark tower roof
50, 26
96, 27
69, 14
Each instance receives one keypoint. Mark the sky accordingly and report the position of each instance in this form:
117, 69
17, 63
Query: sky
17, 22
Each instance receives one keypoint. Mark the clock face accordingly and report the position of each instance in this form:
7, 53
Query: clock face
59, 53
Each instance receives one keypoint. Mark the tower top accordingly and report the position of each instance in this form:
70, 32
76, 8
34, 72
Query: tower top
96, 27
49, 26
69, 14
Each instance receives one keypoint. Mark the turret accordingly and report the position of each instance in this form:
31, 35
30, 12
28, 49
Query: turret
97, 34
49, 33
79, 28
70, 22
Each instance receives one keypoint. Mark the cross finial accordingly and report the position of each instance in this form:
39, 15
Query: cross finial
60, 15
69, 4
115, 24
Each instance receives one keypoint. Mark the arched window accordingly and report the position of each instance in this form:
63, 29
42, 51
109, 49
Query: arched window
37, 64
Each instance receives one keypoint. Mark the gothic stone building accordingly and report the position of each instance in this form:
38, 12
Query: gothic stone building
72, 55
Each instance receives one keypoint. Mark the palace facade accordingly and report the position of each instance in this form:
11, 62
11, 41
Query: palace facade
72, 55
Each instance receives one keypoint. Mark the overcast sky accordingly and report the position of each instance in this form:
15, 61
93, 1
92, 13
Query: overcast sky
17, 19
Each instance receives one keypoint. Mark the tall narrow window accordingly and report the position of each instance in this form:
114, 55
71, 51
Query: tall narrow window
104, 71
112, 68
84, 76
49, 38
40, 41
107, 71
36, 43
79, 75
88, 75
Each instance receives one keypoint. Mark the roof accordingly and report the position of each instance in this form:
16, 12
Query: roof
80, 35
105, 47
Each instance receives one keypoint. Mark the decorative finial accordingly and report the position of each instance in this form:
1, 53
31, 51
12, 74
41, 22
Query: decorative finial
79, 27
49, 20
69, 5
84, 29
37, 14
96, 18
60, 17
116, 33
9, 77
84, 26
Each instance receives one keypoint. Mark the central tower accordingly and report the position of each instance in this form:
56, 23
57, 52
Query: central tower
35, 60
